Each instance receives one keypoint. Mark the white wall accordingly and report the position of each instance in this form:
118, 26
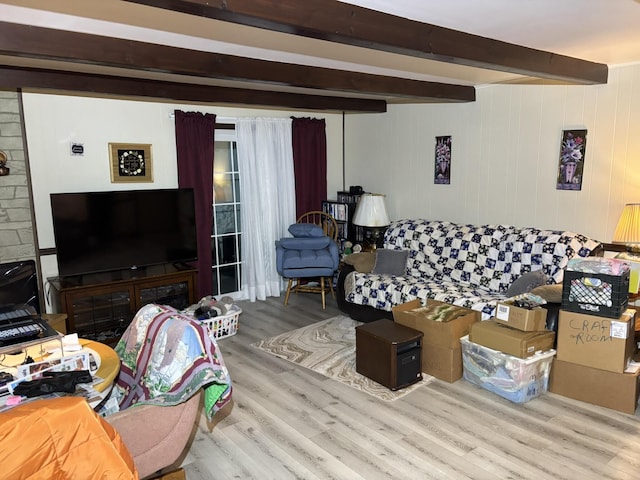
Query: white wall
505, 152
53, 122
505, 149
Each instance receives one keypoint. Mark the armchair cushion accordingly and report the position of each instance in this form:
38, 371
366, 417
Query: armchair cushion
304, 243
300, 230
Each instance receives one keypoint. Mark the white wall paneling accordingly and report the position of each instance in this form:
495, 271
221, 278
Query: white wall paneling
505, 155
52, 122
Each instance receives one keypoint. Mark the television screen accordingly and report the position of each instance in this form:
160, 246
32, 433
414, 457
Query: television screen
103, 231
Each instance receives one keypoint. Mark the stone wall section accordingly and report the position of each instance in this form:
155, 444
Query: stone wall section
16, 220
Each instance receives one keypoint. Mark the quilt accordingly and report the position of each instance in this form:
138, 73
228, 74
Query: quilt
166, 358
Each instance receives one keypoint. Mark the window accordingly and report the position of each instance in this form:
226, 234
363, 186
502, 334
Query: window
227, 231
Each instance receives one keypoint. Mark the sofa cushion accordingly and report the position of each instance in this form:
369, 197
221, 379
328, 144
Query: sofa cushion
420, 238
391, 262
384, 292
550, 250
469, 254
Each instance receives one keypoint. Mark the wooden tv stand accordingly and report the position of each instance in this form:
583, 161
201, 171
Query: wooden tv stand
100, 306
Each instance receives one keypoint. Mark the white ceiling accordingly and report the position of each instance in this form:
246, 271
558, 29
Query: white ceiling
603, 31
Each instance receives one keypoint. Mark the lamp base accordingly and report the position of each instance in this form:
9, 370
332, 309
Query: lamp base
373, 238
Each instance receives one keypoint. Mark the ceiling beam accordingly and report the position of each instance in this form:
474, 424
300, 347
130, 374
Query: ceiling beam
26, 41
21, 77
340, 22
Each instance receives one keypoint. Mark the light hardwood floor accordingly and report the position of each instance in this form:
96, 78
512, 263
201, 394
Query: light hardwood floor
287, 422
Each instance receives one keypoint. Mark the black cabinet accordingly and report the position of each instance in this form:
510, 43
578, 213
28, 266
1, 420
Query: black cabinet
101, 306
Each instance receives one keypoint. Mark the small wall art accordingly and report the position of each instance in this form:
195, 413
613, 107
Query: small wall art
571, 164
442, 173
130, 162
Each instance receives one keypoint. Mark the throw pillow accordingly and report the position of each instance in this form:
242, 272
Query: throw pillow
391, 262
363, 262
305, 230
527, 282
551, 293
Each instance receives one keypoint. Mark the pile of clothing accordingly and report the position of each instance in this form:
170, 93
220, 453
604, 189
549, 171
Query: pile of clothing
209, 307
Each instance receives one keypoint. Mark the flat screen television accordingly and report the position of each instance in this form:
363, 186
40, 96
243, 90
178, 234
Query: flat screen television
106, 231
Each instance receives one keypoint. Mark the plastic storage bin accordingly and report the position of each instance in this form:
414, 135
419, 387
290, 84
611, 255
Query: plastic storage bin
222, 326
513, 378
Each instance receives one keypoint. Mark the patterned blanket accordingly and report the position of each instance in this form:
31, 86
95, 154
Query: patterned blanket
466, 265
166, 358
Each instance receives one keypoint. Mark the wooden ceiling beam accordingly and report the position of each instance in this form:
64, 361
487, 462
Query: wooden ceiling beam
53, 80
340, 22
49, 44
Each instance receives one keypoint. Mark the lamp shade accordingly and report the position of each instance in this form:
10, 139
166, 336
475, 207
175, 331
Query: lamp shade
371, 211
628, 229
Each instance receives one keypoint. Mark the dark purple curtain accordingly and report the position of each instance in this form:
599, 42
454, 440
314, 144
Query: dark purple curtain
309, 163
194, 145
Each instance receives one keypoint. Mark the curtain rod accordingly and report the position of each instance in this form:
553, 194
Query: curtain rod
218, 118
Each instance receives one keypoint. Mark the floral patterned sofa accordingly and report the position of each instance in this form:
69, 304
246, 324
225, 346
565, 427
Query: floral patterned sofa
467, 265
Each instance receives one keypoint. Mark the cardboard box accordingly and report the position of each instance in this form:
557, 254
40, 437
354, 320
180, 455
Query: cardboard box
443, 363
597, 342
534, 320
513, 378
510, 340
442, 325
618, 391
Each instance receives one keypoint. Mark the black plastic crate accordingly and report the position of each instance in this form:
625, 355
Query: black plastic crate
595, 293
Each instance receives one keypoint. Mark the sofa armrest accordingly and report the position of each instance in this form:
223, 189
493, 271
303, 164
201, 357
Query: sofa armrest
361, 313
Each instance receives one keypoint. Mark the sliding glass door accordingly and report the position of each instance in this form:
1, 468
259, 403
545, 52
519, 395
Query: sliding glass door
227, 227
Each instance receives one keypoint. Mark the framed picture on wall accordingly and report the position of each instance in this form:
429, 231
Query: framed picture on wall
571, 162
442, 173
130, 162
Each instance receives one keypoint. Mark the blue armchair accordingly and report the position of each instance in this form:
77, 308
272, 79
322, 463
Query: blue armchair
312, 253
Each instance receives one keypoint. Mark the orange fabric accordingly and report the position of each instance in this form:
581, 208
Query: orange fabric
61, 439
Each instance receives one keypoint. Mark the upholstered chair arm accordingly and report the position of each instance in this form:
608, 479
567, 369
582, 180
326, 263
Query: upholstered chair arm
157, 436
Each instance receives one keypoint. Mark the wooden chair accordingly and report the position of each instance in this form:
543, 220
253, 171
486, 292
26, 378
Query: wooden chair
322, 219
303, 273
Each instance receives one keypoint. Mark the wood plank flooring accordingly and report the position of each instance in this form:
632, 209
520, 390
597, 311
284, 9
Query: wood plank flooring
287, 422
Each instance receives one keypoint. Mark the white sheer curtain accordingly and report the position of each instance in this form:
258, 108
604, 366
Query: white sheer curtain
268, 204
